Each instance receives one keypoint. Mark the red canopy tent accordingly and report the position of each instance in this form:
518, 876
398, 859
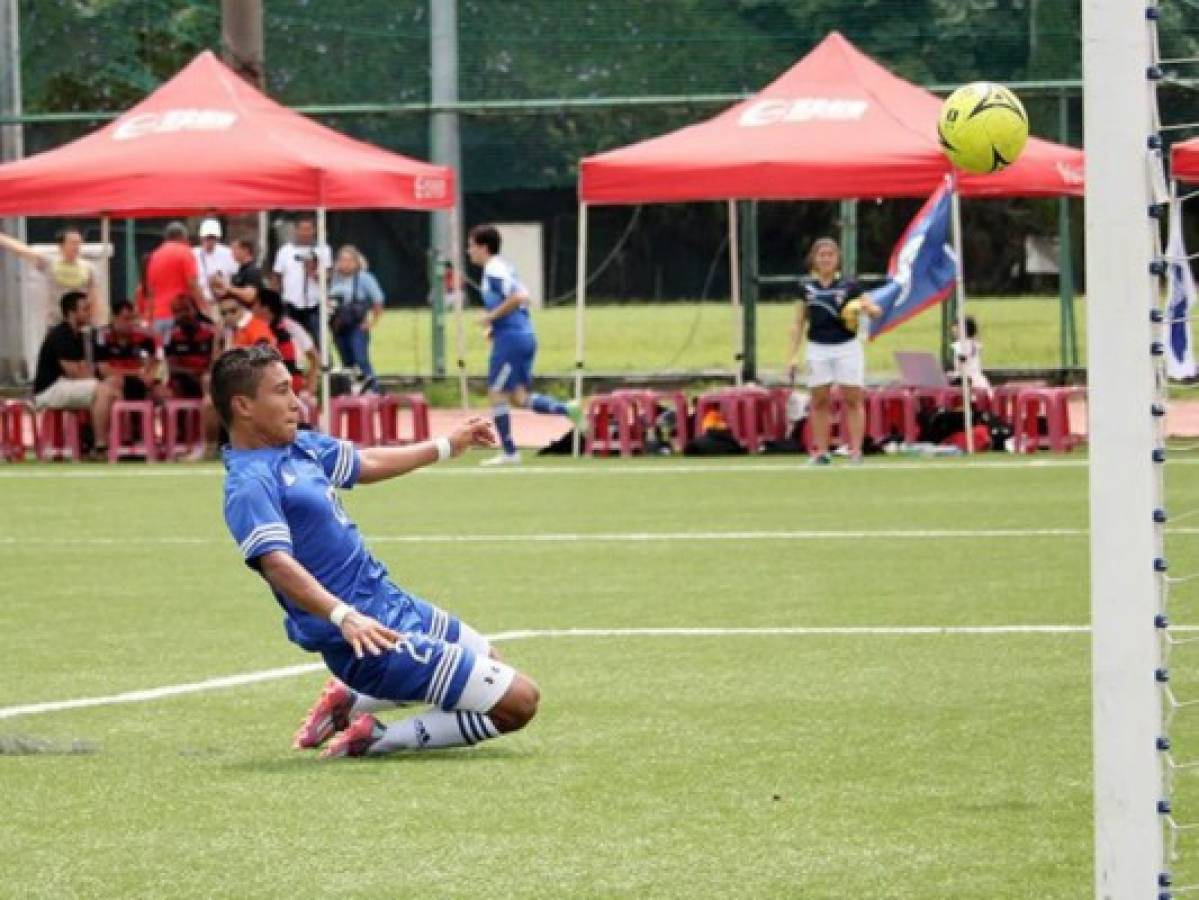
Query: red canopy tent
836, 125
208, 140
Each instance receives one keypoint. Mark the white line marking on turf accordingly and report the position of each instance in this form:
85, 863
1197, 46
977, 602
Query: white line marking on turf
230, 681
583, 537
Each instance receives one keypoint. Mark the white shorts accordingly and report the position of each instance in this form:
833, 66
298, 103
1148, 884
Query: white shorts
836, 364
68, 393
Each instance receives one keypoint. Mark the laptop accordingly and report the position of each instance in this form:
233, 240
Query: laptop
918, 369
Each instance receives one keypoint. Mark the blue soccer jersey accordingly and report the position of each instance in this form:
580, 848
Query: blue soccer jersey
499, 283
285, 498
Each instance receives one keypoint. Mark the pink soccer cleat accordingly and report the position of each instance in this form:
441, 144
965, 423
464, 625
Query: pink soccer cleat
330, 714
355, 740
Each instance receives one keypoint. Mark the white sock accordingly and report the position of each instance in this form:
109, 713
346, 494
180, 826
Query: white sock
435, 728
364, 703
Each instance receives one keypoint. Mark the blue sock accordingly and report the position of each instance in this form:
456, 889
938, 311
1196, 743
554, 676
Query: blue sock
503, 424
547, 406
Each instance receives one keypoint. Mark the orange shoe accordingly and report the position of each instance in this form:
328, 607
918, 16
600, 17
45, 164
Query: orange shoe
355, 740
330, 714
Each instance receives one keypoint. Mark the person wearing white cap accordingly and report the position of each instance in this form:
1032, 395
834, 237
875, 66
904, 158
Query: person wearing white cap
214, 259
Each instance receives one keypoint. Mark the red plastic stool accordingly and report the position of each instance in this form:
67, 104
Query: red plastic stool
389, 407
353, 419
604, 411
14, 416
182, 427
727, 404
123, 440
951, 398
1054, 403
1003, 399
58, 434
892, 410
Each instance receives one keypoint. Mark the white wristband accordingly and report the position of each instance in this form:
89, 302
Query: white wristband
339, 613
444, 449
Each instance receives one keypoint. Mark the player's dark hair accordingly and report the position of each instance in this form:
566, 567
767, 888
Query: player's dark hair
70, 302
60, 236
486, 236
175, 231
971, 327
311, 220
245, 243
238, 372
119, 306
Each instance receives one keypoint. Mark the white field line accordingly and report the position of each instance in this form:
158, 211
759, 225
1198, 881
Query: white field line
230, 681
601, 537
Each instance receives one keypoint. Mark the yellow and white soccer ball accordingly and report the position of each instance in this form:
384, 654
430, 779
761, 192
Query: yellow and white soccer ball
983, 127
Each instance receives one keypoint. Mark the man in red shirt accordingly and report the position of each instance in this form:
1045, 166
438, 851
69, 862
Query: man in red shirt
170, 273
127, 355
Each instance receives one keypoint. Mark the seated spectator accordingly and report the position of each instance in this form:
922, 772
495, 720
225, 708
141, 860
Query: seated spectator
64, 378
67, 274
239, 327
292, 340
968, 356
128, 357
189, 350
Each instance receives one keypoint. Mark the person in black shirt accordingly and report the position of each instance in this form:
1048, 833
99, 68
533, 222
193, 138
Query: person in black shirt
64, 378
831, 307
246, 282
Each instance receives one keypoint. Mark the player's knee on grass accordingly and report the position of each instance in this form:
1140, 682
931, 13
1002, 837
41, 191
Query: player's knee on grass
517, 707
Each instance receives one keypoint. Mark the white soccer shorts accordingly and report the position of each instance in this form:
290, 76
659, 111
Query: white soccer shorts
843, 364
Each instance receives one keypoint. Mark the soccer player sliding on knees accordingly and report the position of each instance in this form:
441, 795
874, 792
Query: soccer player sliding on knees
385, 647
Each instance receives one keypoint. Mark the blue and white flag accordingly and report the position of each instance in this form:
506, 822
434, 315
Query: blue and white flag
1180, 285
923, 266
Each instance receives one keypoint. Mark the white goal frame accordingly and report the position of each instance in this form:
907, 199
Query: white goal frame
1120, 117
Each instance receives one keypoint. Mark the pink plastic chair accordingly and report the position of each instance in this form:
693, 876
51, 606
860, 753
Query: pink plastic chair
58, 434
353, 419
389, 409
124, 439
1054, 404
182, 427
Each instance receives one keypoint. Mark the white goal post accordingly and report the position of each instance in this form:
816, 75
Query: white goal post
1120, 118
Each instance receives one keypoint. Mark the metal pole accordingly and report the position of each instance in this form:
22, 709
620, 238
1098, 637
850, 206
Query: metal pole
749, 291
106, 250
458, 292
1118, 118
444, 141
322, 276
849, 237
735, 290
580, 307
437, 305
967, 393
1065, 256
14, 362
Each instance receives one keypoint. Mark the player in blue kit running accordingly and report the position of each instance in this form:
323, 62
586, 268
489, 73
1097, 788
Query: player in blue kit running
513, 343
385, 647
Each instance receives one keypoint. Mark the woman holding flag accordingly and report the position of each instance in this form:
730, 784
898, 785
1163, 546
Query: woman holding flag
831, 307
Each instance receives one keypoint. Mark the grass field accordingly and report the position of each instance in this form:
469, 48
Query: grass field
760, 763
1016, 333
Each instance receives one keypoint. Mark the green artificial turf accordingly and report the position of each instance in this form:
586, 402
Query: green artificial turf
757, 764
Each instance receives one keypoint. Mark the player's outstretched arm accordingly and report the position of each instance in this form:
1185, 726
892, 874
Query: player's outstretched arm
10, 243
381, 463
290, 578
